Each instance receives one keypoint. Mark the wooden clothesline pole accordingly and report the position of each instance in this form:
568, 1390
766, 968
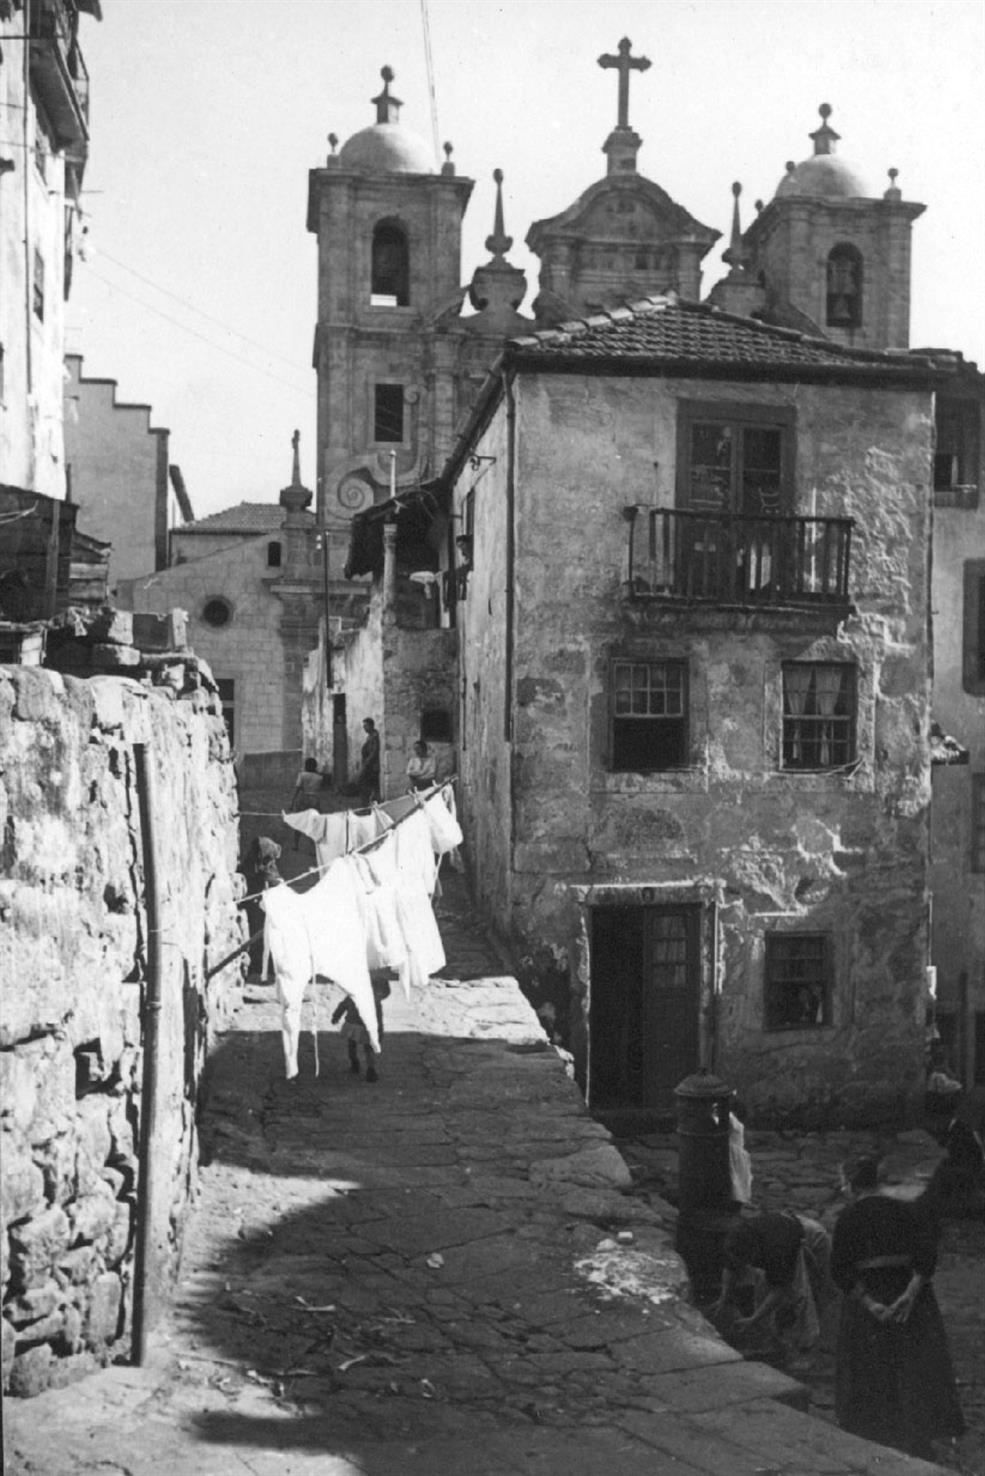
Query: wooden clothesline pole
420, 799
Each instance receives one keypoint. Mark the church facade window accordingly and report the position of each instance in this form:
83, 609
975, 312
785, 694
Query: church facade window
390, 266
844, 287
388, 413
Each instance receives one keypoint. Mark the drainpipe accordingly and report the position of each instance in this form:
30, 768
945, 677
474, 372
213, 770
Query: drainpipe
509, 596
149, 1185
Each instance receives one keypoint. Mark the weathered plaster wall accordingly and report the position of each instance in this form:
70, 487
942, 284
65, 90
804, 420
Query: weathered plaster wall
484, 748
845, 854
360, 659
73, 958
252, 650
419, 671
959, 893
118, 464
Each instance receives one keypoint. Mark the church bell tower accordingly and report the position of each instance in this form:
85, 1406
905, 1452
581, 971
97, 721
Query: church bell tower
388, 224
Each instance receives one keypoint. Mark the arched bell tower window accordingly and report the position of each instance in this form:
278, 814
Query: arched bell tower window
844, 287
390, 272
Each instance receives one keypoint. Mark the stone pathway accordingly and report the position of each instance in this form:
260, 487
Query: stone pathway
443, 1274
800, 1172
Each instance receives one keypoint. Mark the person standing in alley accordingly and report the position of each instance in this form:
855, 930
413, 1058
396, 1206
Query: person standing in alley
307, 787
894, 1381
368, 777
354, 1032
420, 768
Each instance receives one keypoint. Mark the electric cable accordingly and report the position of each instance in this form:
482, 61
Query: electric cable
220, 348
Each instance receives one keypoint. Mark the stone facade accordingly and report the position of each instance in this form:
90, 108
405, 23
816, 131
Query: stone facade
253, 600
958, 832
744, 846
76, 963
118, 471
45, 133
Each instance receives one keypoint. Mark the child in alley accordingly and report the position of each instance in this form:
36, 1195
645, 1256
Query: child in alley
354, 1032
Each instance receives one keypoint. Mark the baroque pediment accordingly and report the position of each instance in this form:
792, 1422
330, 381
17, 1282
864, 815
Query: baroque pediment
623, 210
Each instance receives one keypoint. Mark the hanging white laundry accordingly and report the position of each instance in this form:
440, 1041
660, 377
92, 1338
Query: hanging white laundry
286, 937
329, 833
397, 809
424, 951
414, 853
321, 932
334, 917
408, 867
366, 826
385, 948
446, 833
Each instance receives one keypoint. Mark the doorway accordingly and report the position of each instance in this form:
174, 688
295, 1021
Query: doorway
644, 1010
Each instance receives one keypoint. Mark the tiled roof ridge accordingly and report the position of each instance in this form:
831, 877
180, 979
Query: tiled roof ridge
271, 515
645, 307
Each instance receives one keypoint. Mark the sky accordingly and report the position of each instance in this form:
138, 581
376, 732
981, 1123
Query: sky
198, 291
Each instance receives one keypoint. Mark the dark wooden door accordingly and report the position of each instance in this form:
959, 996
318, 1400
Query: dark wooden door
643, 1026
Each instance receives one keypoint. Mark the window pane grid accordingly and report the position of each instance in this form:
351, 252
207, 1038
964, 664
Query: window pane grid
797, 981
649, 716
818, 715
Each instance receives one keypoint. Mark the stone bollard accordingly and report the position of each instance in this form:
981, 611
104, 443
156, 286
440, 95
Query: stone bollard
703, 1181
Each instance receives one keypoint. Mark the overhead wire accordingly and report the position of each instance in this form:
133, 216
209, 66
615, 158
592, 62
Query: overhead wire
199, 312
429, 62
220, 348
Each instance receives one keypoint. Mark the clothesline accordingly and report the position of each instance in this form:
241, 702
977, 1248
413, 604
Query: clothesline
419, 796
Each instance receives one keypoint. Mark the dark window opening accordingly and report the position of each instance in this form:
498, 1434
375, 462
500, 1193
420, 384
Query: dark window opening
388, 412
436, 725
649, 716
973, 632
957, 444
390, 274
274, 554
978, 822
227, 696
644, 1005
217, 612
798, 981
818, 715
844, 297
37, 286
736, 458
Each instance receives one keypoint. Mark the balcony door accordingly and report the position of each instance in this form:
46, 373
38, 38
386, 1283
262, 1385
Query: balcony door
736, 476
644, 1011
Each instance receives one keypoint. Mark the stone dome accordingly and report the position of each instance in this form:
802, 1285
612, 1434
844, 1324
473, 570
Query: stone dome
387, 148
823, 177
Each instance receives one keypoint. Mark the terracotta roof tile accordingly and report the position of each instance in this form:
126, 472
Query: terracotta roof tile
665, 328
245, 517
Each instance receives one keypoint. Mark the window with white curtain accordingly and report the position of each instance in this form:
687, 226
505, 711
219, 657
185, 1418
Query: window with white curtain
819, 708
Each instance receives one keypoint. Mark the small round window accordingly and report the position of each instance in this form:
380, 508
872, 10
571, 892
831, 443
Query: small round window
217, 611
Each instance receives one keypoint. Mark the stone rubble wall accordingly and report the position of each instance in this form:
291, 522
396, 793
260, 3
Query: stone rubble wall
74, 959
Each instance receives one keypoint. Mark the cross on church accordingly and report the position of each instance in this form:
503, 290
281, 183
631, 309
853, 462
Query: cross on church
625, 64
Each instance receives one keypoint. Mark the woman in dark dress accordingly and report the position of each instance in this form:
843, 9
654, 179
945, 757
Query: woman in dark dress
894, 1382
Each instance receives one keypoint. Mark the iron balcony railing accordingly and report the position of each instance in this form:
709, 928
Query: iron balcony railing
737, 559
59, 73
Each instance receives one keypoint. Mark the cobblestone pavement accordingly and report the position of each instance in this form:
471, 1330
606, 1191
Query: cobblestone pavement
445, 1273
800, 1172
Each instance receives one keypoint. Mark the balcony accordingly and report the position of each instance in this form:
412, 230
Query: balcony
735, 559
60, 78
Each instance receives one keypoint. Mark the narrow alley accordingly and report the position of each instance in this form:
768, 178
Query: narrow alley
442, 1272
